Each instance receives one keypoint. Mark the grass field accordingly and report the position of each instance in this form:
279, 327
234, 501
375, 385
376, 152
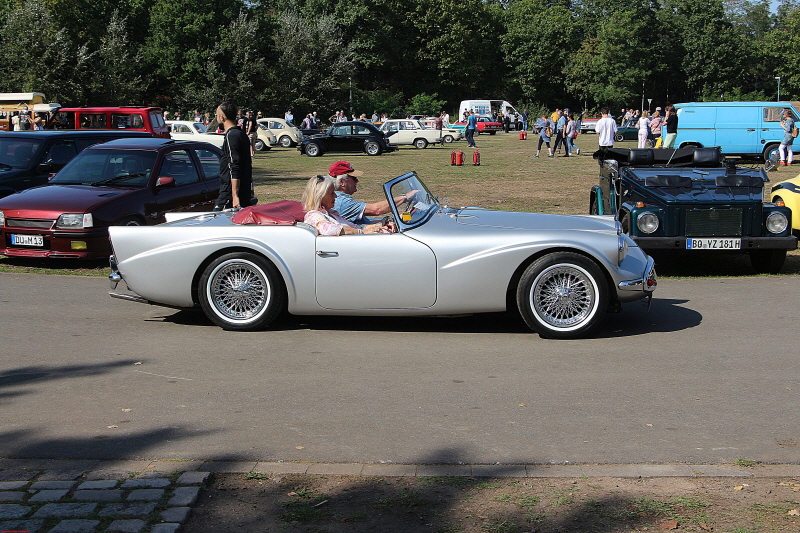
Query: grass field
509, 178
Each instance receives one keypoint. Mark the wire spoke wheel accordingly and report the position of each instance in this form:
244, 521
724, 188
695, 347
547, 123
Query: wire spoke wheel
563, 296
241, 291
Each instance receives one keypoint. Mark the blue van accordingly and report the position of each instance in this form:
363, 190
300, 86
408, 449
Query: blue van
750, 129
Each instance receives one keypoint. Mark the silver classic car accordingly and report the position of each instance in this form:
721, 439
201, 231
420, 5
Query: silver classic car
562, 273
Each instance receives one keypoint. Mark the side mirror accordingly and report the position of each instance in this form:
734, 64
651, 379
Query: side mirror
44, 167
165, 181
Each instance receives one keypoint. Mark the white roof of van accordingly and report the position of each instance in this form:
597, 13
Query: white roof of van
19, 97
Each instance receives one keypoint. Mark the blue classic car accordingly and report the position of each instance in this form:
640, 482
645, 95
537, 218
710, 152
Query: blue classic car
690, 200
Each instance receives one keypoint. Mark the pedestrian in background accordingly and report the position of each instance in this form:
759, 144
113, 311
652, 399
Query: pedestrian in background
571, 135
544, 127
606, 128
644, 128
671, 124
251, 129
655, 126
235, 165
472, 127
788, 139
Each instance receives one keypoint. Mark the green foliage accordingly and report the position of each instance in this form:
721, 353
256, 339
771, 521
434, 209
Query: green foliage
423, 104
382, 101
417, 56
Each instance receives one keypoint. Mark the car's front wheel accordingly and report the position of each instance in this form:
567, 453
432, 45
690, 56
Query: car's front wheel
372, 148
259, 145
420, 143
619, 137
313, 150
562, 295
447, 139
241, 291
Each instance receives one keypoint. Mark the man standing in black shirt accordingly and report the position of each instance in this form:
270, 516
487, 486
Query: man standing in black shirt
236, 164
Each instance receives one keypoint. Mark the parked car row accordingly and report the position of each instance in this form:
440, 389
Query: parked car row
187, 130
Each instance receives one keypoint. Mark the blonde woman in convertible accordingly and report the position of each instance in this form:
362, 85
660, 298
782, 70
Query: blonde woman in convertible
318, 199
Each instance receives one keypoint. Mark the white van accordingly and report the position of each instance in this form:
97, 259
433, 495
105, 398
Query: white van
485, 108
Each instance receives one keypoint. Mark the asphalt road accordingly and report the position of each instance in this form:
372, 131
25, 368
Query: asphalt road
708, 375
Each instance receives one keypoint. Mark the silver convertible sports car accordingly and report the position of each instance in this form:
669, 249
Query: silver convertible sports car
561, 272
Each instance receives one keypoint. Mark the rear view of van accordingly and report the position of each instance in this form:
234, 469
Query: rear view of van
485, 108
147, 119
750, 129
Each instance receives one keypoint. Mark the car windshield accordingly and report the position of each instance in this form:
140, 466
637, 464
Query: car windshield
421, 203
122, 168
17, 153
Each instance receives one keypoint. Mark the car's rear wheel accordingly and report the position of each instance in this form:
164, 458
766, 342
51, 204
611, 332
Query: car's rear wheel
767, 261
447, 139
420, 143
241, 291
771, 153
313, 150
285, 141
562, 295
372, 148
619, 137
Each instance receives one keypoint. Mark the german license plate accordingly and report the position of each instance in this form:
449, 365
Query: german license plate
27, 240
713, 244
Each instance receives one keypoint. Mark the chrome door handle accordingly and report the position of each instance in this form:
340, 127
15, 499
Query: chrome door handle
327, 254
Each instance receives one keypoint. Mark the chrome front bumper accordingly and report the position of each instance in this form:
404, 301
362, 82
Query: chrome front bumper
647, 283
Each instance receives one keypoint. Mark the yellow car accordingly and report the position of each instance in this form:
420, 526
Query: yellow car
788, 192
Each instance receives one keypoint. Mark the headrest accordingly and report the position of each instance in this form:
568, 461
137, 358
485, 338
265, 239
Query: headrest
706, 157
641, 157
668, 180
281, 213
739, 180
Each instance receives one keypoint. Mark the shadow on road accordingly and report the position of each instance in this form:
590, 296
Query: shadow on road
664, 315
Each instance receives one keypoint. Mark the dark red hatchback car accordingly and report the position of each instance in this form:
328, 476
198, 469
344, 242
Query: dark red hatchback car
122, 182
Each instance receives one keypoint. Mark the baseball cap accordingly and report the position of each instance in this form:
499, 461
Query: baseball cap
343, 167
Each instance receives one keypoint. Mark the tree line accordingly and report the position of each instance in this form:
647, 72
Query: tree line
415, 56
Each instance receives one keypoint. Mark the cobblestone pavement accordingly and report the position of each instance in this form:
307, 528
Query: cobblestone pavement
96, 497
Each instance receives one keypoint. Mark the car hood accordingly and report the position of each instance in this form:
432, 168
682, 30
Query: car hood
474, 216
58, 199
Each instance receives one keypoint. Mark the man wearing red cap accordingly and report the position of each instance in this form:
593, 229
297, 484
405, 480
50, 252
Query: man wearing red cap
346, 184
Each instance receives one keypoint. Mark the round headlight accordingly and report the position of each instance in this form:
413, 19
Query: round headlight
647, 222
777, 223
